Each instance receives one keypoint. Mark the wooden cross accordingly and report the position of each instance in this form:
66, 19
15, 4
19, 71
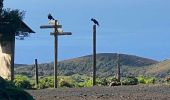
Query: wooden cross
55, 25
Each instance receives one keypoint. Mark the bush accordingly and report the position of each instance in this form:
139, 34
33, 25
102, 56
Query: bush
22, 82
46, 82
79, 78
102, 81
146, 80
6, 84
9, 92
67, 81
64, 83
130, 81
86, 83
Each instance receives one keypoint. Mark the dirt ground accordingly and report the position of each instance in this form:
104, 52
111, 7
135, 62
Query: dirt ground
138, 92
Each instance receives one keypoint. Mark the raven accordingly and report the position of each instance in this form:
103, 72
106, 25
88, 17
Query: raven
95, 21
50, 17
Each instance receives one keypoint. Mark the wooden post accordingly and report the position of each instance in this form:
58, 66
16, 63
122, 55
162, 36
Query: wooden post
36, 73
56, 56
12, 57
94, 55
55, 26
118, 67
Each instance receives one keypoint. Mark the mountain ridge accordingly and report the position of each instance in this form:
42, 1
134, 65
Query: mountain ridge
106, 65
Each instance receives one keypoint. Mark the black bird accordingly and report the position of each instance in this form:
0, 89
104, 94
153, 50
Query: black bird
95, 21
50, 17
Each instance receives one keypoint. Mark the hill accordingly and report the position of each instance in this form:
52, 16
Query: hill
161, 69
106, 65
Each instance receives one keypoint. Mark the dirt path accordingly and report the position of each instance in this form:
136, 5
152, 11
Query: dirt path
138, 92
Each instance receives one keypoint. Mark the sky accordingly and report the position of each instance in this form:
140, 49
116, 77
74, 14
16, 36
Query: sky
135, 27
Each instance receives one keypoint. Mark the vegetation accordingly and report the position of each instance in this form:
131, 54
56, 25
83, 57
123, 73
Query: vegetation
130, 81
8, 91
46, 82
22, 82
10, 21
77, 80
146, 80
77, 72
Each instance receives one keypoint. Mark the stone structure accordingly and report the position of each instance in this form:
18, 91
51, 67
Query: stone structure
5, 61
7, 54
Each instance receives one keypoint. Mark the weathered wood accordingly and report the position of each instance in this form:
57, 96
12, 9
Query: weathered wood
55, 60
94, 55
12, 58
56, 33
63, 33
50, 26
56, 57
36, 73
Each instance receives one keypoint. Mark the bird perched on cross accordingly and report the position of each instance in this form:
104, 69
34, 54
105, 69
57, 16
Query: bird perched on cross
95, 21
50, 17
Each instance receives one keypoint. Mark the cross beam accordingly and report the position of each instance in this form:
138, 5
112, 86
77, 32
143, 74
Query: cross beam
55, 25
63, 33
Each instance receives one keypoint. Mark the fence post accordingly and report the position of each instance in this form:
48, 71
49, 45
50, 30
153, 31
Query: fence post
36, 73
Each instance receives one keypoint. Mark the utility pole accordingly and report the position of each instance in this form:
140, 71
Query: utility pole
55, 25
94, 55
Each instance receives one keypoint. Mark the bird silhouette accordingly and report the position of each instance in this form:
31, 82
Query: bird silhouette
50, 17
95, 21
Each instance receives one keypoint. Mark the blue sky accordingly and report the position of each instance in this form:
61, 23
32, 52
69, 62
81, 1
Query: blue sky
137, 27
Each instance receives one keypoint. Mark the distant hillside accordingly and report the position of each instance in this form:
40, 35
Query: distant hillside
161, 69
106, 65
20, 65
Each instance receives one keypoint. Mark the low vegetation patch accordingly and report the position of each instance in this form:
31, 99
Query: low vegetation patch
130, 81
146, 80
77, 80
21, 81
8, 91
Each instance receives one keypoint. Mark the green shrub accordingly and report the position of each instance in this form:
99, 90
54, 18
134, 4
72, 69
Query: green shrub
141, 79
79, 78
146, 80
101, 81
22, 82
86, 83
64, 83
9, 92
67, 81
105, 81
6, 84
130, 81
46, 82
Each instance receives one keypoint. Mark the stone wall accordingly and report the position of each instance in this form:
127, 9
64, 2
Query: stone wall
5, 60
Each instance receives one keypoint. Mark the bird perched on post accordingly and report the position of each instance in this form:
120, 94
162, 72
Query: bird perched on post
50, 17
95, 21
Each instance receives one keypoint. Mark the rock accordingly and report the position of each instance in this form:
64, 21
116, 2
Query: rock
115, 83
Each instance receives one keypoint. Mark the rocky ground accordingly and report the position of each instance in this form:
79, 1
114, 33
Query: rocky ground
138, 92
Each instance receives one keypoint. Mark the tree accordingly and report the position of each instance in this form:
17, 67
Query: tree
1, 5
10, 21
